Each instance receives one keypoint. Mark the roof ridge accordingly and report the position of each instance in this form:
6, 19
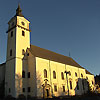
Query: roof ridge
51, 51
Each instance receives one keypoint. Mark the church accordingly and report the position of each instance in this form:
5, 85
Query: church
33, 71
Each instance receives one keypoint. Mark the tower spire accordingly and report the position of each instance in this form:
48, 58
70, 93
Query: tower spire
19, 11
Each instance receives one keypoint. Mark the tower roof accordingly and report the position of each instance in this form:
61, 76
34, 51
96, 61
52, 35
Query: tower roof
19, 11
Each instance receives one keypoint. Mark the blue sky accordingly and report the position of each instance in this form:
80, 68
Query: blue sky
61, 26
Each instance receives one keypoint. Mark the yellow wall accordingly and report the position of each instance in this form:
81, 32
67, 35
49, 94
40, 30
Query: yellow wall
51, 66
14, 63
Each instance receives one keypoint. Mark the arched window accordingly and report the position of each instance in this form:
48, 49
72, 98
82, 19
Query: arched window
23, 33
45, 73
70, 84
63, 88
83, 84
69, 73
77, 85
54, 74
62, 75
23, 74
75, 74
92, 82
81, 75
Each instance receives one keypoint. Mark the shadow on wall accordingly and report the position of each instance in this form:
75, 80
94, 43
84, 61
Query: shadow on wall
82, 87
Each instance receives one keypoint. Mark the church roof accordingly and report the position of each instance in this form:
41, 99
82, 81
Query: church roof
47, 54
87, 72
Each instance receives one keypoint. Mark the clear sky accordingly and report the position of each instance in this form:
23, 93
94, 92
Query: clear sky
61, 26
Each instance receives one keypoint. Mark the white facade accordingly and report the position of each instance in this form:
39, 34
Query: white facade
25, 65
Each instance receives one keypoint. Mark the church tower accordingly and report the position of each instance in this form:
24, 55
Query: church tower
17, 43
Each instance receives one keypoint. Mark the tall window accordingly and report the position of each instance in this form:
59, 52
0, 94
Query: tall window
81, 75
75, 74
11, 33
23, 33
70, 84
23, 89
10, 52
45, 73
23, 74
9, 90
28, 74
54, 74
83, 84
69, 73
62, 75
63, 88
77, 85
55, 88
29, 89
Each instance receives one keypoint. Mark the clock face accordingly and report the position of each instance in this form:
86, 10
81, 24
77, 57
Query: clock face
23, 23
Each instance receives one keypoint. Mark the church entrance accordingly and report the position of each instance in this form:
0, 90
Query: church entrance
46, 89
47, 92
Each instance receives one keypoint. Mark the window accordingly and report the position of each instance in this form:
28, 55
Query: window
23, 51
23, 33
29, 89
23, 23
23, 89
92, 82
27, 54
23, 74
10, 52
54, 74
70, 84
83, 84
62, 75
86, 77
28, 74
69, 73
12, 24
63, 88
75, 74
55, 88
77, 85
45, 73
81, 75
11, 33
9, 90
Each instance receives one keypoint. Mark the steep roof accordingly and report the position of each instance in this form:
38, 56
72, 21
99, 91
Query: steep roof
46, 54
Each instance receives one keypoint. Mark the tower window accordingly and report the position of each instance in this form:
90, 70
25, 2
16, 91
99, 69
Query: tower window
28, 74
11, 52
63, 88
23, 89
23, 74
29, 89
62, 75
55, 88
23, 33
54, 74
11, 33
45, 73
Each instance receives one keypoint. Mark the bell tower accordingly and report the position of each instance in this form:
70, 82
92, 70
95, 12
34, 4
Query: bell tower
17, 43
